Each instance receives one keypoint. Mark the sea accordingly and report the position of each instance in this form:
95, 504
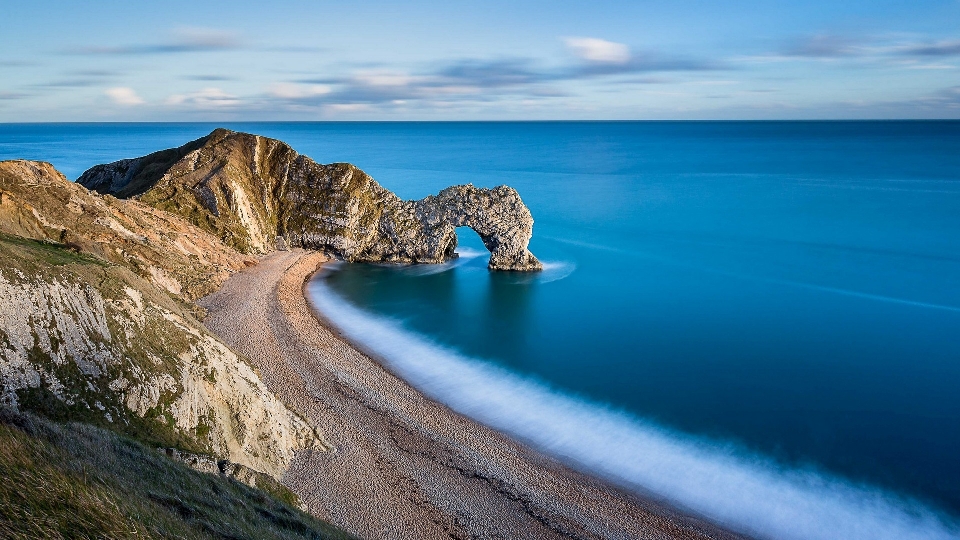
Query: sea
757, 322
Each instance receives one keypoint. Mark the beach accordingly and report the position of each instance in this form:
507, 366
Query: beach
400, 465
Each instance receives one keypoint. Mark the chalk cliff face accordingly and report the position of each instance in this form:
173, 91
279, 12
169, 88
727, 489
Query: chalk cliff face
257, 194
95, 324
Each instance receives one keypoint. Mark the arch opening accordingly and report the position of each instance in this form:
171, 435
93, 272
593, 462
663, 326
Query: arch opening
468, 239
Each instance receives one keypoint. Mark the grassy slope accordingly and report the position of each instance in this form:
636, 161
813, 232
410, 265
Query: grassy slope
78, 481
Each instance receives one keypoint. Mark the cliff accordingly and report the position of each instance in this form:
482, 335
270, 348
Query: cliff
96, 324
256, 194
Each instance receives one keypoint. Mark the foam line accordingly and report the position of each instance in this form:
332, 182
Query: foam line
469, 253
741, 491
555, 271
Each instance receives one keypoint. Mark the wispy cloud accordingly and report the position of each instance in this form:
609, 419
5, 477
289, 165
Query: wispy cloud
207, 98
122, 95
485, 80
95, 73
943, 103
940, 48
647, 62
822, 46
80, 79
69, 83
832, 46
476, 79
598, 57
297, 91
184, 40
946, 98
13, 95
295, 49
467, 80
208, 78
497, 73
598, 50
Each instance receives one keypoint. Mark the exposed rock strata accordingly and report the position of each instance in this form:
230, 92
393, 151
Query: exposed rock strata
93, 324
257, 194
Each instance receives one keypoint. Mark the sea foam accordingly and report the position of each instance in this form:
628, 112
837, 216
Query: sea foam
738, 490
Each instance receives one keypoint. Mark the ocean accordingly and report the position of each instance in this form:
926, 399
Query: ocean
756, 321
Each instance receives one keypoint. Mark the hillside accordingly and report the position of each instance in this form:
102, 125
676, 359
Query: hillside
97, 325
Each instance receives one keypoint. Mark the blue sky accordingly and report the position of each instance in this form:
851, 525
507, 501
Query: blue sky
490, 60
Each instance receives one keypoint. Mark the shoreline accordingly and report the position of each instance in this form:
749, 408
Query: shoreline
401, 464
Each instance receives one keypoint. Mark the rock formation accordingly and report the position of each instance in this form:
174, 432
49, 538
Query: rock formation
95, 324
257, 193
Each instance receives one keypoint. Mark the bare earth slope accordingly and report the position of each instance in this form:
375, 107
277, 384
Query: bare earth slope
38, 202
403, 466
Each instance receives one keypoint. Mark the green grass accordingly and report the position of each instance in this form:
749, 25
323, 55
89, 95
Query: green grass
77, 481
49, 252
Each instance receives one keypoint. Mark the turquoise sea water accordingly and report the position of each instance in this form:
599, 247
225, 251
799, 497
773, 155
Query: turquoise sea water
759, 321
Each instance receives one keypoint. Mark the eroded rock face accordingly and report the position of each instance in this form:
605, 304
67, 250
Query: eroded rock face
250, 190
102, 349
94, 324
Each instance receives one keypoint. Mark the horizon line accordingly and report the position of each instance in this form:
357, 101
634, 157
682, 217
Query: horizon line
499, 121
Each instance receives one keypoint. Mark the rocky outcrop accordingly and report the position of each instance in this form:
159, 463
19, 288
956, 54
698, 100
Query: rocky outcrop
94, 325
257, 193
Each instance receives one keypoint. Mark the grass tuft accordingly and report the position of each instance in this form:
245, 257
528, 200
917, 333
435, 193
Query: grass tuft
78, 481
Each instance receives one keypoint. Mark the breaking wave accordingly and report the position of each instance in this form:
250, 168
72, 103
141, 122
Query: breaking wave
744, 492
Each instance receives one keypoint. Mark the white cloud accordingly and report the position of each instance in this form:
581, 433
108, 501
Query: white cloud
208, 98
348, 107
385, 78
598, 50
297, 91
121, 95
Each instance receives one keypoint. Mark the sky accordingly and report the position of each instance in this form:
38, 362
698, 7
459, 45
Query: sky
478, 60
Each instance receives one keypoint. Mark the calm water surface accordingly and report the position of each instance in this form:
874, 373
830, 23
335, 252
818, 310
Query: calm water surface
787, 290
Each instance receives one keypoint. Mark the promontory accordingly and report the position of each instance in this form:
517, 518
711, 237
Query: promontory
258, 193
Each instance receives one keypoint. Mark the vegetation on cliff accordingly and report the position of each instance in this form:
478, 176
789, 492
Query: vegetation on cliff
78, 481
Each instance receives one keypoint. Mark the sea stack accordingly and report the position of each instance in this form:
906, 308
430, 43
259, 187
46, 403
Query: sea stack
257, 193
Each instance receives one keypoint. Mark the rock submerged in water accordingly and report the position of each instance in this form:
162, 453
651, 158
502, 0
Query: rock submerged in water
258, 194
